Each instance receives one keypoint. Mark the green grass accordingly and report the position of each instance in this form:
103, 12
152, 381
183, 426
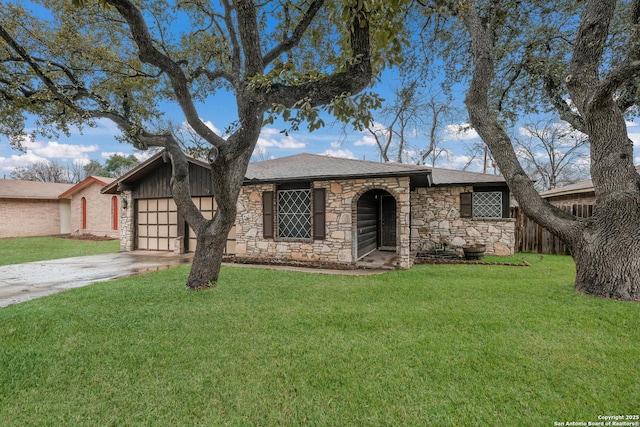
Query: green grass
27, 249
445, 345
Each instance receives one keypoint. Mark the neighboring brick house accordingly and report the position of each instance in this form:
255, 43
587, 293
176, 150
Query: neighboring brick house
91, 211
316, 208
31, 208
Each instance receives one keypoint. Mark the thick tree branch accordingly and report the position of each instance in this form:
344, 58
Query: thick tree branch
555, 95
624, 74
290, 42
323, 91
486, 123
588, 50
149, 54
249, 36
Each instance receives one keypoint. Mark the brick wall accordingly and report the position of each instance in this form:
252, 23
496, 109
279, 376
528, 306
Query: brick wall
27, 217
99, 212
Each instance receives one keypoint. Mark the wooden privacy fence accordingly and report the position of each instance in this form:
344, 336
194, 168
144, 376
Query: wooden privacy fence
531, 237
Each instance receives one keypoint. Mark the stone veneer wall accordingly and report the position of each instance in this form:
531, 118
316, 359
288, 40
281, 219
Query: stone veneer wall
127, 224
340, 220
435, 219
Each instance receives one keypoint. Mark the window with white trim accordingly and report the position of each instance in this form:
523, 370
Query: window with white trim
294, 214
487, 204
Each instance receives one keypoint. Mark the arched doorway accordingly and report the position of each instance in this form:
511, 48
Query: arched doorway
376, 222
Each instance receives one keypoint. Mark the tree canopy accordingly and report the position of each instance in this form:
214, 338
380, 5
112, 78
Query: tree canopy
71, 62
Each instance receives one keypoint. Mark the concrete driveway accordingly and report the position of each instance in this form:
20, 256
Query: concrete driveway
23, 282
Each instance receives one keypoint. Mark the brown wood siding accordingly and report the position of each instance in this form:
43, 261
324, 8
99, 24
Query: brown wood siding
157, 184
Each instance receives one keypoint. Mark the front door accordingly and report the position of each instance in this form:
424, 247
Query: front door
387, 222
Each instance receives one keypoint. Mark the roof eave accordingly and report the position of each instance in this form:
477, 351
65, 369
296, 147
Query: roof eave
333, 177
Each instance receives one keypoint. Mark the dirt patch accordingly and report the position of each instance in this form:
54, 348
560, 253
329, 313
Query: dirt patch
436, 259
287, 263
89, 237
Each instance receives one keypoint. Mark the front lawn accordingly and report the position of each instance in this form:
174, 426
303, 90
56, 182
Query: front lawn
441, 345
26, 249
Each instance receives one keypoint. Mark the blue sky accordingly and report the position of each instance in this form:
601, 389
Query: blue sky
99, 143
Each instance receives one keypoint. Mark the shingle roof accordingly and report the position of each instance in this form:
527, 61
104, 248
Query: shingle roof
100, 180
451, 176
579, 187
18, 189
318, 166
314, 166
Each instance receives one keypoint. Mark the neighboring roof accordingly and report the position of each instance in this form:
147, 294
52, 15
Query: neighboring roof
18, 189
315, 166
579, 187
100, 180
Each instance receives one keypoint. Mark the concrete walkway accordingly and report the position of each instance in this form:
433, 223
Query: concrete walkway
26, 281
30, 280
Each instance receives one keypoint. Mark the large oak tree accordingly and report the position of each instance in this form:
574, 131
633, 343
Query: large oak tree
72, 62
583, 59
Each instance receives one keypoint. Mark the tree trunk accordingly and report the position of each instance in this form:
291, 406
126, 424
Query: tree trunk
607, 255
207, 259
605, 247
227, 178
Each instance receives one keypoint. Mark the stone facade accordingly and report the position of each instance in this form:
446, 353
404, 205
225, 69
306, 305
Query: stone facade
127, 223
426, 218
340, 223
436, 224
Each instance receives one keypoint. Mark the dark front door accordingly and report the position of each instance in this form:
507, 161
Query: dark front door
387, 222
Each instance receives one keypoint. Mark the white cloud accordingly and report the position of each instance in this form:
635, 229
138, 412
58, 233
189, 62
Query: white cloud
211, 126
273, 138
38, 151
346, 154
460, 132
138, 154
7, 164
55, 150
369, 140
366, 140
635, 138
108, 154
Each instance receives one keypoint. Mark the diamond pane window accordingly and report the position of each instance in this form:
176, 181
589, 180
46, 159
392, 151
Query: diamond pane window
487, 204
294, 214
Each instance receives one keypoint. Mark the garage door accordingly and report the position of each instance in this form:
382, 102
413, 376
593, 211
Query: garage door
207, 206
157, 224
